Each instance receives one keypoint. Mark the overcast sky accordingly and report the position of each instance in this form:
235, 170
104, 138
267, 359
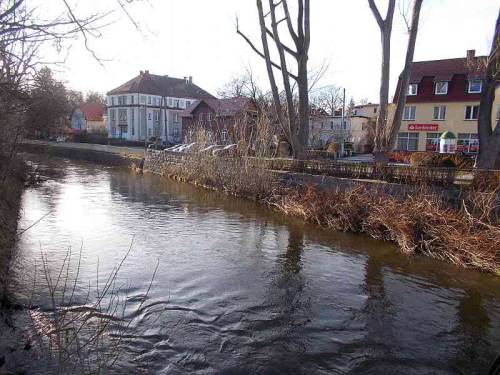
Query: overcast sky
197, 38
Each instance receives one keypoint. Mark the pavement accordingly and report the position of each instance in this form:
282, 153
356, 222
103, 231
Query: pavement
364, 158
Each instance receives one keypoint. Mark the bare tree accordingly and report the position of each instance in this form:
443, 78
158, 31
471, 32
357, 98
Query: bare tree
392, 135
95, 97
329, 99
293, 115
385, 26
489, 138
385, 134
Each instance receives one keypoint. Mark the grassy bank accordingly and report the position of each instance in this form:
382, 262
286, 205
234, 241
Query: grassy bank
12, 179
420, 221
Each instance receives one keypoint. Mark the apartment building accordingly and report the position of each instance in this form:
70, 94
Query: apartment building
443, 96
149, 106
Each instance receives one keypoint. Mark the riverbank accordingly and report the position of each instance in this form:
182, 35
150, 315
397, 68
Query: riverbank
420, 220
15, 344
101, 154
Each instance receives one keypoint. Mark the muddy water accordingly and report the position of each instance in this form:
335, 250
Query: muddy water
241, 289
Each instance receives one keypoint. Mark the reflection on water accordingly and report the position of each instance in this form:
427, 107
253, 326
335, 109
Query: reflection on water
241, 288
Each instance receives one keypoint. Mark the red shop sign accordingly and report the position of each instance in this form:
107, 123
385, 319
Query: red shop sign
423, 127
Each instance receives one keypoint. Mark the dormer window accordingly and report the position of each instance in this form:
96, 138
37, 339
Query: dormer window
412, 89
441, 88
475, 86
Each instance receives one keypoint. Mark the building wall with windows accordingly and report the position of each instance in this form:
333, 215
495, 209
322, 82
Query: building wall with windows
427, 121
149, 107
443, 95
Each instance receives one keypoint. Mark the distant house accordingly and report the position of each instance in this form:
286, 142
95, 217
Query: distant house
325, 128
225, 120
88, 117
362, 121
149, 107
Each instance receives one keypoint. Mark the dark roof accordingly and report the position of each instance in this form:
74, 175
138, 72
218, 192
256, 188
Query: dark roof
223, 107
92, 111
146, 83
444, 70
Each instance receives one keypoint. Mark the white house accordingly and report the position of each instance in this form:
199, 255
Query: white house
324, 129
149, 106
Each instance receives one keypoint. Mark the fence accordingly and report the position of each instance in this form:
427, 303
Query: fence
404, 174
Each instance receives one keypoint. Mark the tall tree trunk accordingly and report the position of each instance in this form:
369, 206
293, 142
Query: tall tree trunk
385, 26
404, 79
489, 140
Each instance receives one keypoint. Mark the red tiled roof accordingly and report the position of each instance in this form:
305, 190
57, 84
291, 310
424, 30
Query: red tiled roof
92, 111
444, 70
146, 83
223, 107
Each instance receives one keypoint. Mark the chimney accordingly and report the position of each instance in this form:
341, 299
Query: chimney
190, 80
146, 72
471, 53
141, 72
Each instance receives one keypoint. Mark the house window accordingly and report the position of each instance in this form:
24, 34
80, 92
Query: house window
407, 141
375, 110
467, 142
412, 89
182, 103
122, 115
188, 103
209, 116
176, 132
432, 142
112, 100
149, 116
132, 99
176, 103
224, 135
200, 117
475, 86
441, 88
176, 117
331, 125
439, 112
149, 100
170, 102
157, 115
471, 112
143, 99
113, 114
409, 113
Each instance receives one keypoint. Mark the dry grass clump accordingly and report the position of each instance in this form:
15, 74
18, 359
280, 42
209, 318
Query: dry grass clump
233, 176
418, 223
432, 159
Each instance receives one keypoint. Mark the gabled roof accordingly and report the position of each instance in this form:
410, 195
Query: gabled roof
146, 83
92, 111
223, 107
444, 70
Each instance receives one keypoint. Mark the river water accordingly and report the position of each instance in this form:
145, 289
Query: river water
242, 289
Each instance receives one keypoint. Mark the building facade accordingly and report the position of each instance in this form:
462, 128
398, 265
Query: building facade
149, 107
442, 96
89, 117
362, 121
224, 120
324, 129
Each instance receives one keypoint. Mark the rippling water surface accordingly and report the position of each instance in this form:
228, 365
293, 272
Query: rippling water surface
241, 289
